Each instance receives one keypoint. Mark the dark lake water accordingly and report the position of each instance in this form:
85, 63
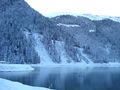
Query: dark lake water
68, 78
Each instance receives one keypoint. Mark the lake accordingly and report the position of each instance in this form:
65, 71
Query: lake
68, 78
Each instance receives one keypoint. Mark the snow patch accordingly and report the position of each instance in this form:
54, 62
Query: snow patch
81, 65
61, 50
92, 30
40, 49
84, 57
10, 85
27, 34
101, 17
68, 25
15, 67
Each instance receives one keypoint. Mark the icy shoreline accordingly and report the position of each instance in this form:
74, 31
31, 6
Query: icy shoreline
82, 65
15, 67
26, 67
10, 85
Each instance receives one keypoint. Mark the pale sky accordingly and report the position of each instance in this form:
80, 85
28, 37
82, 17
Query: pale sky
95, 7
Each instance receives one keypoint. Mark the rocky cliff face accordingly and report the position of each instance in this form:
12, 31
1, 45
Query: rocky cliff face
28, 37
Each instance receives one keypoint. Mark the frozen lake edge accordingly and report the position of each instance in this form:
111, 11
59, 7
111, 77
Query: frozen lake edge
15, 67
81, 65
30, 67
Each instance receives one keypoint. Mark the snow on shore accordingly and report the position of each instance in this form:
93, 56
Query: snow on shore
23, 67
15, 67
10, 85
81, 65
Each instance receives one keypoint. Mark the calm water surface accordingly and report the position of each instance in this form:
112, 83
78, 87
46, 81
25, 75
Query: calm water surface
68, 78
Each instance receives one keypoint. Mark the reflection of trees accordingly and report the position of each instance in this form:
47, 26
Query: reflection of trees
68, 78
78, 79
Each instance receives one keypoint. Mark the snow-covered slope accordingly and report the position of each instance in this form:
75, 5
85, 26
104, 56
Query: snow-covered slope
97, 36
40, 49
60, 47
10, 85
27, 37
67, 25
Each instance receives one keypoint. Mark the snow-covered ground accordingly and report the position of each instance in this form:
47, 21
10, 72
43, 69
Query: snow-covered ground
18, 67
63, 54
10, 85
40, 49
80, 65
68, 25
91, 30
15, 67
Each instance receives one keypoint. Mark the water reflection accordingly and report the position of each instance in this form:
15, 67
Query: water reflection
69, 78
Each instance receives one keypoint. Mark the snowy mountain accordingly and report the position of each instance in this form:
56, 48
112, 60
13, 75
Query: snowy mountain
26, 36
99, 39
97, 17
6, 84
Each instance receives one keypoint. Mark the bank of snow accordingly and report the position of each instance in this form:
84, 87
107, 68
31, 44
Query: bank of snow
10, 85
81, 65
68, 25
101, 17
15, 67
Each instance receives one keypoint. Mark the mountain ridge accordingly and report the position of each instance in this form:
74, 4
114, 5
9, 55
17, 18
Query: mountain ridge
27, 37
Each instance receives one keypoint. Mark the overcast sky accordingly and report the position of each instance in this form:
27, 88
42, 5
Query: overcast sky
95, 7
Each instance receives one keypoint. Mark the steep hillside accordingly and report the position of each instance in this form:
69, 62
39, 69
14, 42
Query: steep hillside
26, 36
99, 39
16, 17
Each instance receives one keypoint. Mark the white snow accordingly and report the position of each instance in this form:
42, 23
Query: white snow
40, 49
81, 65
15, 67
3, 62
10, 85
100, 17
27, 34
61, 50
90, 16
94, 17
68, 25
85, 57
45, 59
92, 30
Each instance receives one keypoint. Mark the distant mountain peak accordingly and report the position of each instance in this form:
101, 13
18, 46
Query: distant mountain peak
89, 16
